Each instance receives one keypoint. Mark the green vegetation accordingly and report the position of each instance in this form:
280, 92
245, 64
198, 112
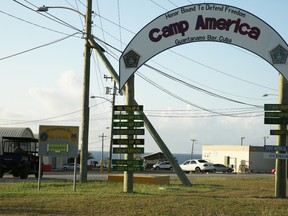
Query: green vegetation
209, 197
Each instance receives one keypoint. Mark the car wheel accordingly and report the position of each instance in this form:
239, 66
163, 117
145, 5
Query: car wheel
157, 168
229, 170
197, 169
214, 171
65, 168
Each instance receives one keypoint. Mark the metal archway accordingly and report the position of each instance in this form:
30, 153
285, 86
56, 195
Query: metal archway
204, 22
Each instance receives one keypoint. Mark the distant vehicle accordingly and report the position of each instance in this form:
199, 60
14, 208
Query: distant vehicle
273, 171
197, 166
162, 165
222, 168
70, 166
19, 157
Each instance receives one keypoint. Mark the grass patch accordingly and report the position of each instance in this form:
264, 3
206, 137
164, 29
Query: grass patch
209, 197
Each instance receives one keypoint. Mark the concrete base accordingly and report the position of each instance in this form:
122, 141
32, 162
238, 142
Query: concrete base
141, 179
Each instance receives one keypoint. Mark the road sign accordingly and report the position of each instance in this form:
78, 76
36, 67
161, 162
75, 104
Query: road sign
127, 168
274, 148
129, 117
279, 107
283, 121
128, 150
58, 141
276, 156
128, 162
57, 147
276, 114
128, 124
128, 108
128, 131
278, 132
128, 141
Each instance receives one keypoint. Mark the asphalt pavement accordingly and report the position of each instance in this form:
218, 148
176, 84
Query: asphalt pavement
96, 175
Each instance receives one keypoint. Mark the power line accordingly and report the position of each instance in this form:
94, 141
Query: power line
38, 47
198, 88
194, 87
32, 23
54, 18
178, 97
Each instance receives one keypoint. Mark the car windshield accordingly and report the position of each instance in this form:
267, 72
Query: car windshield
202, 161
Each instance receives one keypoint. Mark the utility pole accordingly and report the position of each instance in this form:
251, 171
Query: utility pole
85, 102
192, 148
102, 156
112, 119
242, 138
281, 165
265, 138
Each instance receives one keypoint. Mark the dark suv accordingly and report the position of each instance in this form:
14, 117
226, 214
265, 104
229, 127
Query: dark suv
19, 157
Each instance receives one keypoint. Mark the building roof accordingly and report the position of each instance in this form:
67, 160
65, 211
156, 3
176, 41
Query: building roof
157, 155
16, 132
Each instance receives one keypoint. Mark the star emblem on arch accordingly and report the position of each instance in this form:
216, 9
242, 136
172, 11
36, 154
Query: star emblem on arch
279, 55
131, 59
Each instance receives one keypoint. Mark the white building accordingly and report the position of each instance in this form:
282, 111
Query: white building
241, 158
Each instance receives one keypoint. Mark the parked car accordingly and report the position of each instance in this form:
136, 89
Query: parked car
162, 165
222, 168
70, 166
197, 166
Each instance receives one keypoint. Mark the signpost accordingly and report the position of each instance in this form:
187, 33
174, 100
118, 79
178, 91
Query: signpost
276, 156
277, 121
128, 131
131, 150
278, 132
271, 149
276, 107
127, 123
274, 148
128, 141
58, 141
278, 114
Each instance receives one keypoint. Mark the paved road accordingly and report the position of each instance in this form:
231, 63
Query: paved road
96, 175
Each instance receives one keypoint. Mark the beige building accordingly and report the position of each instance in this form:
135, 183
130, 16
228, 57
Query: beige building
241, 158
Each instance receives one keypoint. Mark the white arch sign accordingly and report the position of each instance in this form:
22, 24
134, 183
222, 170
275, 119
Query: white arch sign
204, 22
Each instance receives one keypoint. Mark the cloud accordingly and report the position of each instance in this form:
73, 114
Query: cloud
64, 97
178, 132
70, 84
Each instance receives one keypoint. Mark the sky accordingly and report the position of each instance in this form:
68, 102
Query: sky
41, 63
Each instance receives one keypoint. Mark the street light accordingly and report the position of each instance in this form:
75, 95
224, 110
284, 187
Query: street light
266, 95
94, 96
192, 147
242, 138
111, 128
102, 151
86, 85
265, 137
45, 9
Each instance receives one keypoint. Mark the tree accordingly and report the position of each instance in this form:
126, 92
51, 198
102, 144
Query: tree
71, 160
